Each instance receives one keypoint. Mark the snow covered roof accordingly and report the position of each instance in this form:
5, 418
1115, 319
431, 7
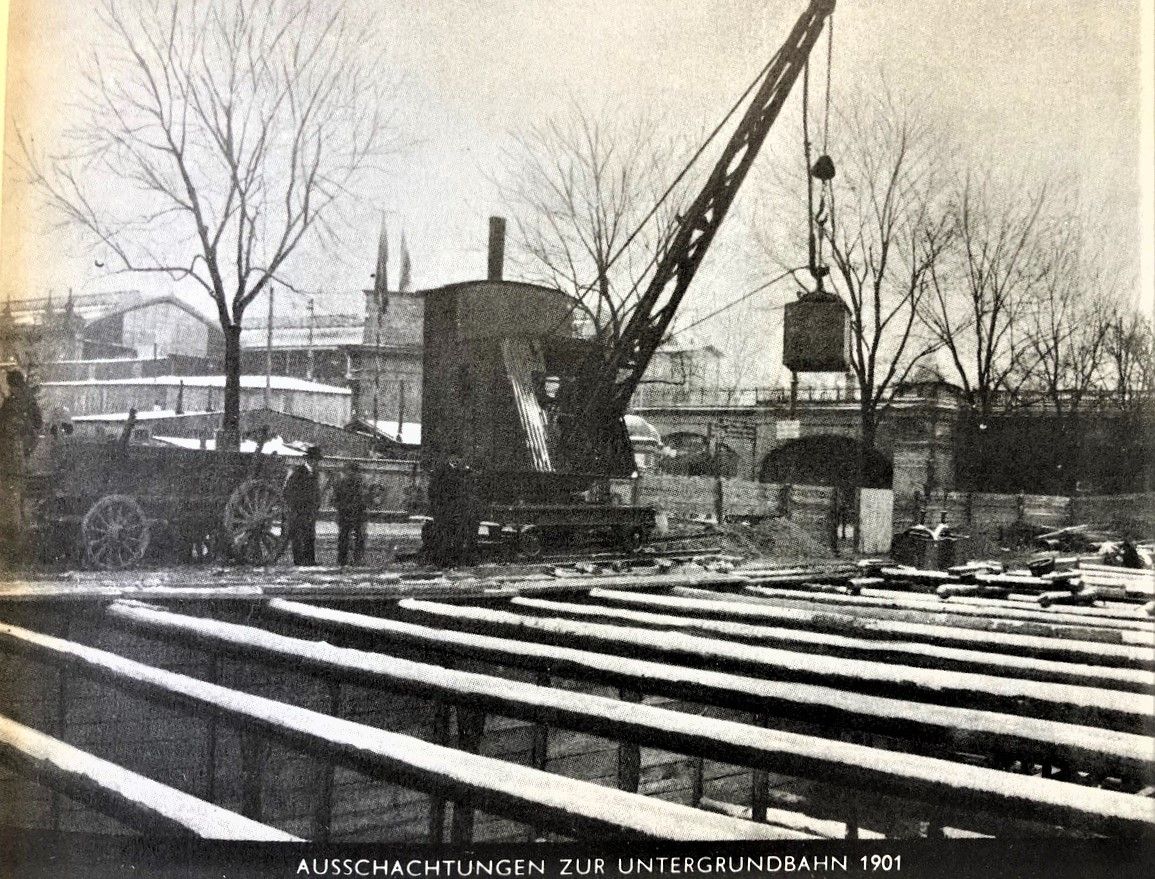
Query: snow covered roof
143, 415
93, 307
250, 382
275, 446
409, 434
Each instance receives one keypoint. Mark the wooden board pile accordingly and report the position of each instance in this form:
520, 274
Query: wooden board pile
747, 704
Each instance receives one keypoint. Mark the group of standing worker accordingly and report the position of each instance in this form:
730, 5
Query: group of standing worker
303, 500
454, 502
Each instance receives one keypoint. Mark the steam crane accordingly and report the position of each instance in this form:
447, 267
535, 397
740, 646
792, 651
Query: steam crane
523, 419
593, 438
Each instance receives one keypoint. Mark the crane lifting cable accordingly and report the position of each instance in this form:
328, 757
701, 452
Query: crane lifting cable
821, 170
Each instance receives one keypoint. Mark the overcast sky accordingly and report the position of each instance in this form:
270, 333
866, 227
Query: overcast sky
1046, 88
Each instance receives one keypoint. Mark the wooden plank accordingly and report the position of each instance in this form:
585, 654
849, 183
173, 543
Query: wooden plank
437, 804
629, 754
146, 805
330, 585
1110, 709
323, 806
565, 805
655, 727
254, 749
946, 632
968, 730
1107, 615
981, 614
897, 652
940, 613
470, 729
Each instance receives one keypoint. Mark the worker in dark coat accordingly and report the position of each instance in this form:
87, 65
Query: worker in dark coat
445, 483
20, 424
350, 501
303, 498
468, 518
20, 419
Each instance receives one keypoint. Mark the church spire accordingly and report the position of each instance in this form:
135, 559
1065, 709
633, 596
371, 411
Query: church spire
405, 283
381, 278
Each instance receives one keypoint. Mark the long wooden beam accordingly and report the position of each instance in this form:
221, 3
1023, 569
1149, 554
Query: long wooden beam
960, 729
564, 805
1130, 617
1061, 650
148, 806
885, 609
333, 584
1111, 709
951, 786
895, 652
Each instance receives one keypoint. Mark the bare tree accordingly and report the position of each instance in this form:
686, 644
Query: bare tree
1065, 325
217, 135
979, 298
1130, 350
580, 185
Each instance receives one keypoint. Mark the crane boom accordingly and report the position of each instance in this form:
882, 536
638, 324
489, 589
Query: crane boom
603, 395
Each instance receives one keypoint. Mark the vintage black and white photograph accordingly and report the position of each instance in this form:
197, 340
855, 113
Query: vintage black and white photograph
531, 423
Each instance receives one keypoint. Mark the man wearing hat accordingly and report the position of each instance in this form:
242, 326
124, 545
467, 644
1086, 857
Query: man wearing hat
350, 501
20, 424
303, 497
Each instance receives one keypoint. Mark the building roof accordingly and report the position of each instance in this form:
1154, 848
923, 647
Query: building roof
143, 415
328, 331
248, 382
274, 446
93, 307
409, 433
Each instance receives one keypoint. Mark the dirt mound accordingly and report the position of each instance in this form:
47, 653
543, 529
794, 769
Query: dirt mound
773, 538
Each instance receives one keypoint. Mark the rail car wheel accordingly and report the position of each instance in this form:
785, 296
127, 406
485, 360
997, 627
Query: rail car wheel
115, 532
254, 523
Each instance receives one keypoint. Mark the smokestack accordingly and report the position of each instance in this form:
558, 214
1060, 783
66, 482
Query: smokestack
496, 248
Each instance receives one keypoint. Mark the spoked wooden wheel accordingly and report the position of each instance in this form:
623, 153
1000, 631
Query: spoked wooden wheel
254, 523
115, 533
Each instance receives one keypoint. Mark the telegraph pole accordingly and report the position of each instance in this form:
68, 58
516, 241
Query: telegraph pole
309, 367
269, 353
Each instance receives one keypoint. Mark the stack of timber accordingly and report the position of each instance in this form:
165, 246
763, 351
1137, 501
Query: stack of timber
756, 704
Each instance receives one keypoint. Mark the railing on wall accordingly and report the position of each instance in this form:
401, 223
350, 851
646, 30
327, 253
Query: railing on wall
1002, 402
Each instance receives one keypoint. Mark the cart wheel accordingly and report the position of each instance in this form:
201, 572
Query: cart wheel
254, 523
529, 545
115, 533
630, 539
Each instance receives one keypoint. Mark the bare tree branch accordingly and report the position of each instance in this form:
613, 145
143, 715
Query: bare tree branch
217, 136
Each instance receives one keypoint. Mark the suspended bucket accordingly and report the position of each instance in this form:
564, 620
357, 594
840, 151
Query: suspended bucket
816, 334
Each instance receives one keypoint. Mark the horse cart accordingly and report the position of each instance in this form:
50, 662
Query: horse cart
111, 505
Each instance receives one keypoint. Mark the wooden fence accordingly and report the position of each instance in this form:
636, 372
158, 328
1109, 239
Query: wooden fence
813, 507
994, 520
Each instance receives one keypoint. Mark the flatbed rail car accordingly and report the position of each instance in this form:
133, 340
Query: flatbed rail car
109, 505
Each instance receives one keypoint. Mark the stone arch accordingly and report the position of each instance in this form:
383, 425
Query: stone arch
693, 456
826, 459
